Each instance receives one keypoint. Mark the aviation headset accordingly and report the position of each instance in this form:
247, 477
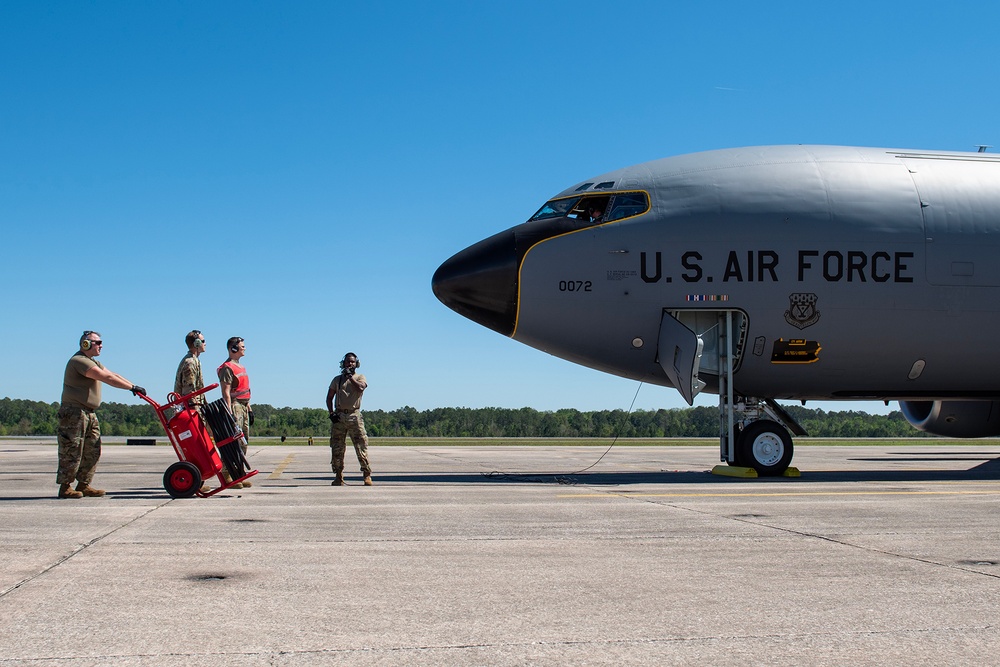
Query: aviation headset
194, 340
86, 343
234, 343
350, 354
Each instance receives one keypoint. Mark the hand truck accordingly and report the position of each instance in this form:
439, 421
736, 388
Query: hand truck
196, 449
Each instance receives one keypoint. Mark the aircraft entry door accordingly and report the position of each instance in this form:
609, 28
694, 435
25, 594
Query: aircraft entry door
679, 351
694, 343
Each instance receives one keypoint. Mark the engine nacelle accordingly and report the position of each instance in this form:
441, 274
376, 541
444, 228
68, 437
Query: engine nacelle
954, 419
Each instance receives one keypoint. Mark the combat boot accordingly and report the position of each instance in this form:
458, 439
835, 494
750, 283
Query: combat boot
246, 484
66, 492
229, 480
339, 480
89, 491
368, 480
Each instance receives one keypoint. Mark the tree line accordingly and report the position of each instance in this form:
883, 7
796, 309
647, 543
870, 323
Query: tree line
22, 417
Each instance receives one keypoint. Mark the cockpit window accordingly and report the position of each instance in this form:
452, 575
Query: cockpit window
627, 204
590, 210
557, 208
595, 209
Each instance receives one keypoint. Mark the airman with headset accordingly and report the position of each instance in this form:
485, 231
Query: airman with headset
189, 378
235, 385
343, 400
79, 432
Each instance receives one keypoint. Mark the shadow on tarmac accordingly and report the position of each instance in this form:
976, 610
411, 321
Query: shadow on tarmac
145, 494
989, 470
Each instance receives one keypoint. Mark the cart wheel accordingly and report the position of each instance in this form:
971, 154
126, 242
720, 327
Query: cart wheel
182, 479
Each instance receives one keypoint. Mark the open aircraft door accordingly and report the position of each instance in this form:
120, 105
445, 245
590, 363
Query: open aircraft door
696, 343
679, 352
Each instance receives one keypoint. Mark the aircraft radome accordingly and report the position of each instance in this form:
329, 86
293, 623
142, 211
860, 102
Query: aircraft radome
776, 272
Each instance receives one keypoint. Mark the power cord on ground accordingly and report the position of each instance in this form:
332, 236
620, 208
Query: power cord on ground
563, 478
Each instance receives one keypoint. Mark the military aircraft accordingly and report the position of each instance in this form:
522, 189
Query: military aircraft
763, 274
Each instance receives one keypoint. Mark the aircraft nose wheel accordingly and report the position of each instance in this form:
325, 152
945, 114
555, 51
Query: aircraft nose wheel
765, 446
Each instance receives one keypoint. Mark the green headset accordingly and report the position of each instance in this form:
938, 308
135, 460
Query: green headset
86, 343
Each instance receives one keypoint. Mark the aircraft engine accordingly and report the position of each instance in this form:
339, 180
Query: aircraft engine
954, 419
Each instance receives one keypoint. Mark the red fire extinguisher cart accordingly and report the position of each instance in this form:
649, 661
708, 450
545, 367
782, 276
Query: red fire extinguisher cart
196, 449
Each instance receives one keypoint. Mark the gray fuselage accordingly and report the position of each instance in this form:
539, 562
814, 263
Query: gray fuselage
857, 272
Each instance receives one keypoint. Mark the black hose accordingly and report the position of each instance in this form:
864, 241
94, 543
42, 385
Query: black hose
224, 427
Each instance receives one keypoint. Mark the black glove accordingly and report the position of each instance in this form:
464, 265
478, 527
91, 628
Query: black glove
136, 390
334, 417
251, 417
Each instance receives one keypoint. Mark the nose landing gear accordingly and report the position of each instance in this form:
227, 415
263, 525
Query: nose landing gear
753, 432
765, 446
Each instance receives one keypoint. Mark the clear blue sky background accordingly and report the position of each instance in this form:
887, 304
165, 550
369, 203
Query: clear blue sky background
294, 172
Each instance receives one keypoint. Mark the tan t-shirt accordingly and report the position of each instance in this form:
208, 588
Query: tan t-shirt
348, 394
79, 390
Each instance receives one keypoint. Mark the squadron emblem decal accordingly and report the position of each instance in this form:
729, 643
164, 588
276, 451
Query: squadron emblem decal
802, 311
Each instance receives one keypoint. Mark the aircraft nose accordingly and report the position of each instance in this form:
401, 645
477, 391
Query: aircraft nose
480, 282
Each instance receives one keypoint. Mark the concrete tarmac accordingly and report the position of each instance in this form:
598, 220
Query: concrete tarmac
507, 556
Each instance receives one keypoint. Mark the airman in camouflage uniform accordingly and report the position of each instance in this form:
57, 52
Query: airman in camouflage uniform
343, 400
79, 432
189, 378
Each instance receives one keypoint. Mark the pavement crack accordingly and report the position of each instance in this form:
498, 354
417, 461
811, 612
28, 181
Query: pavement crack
80, 548
818, 536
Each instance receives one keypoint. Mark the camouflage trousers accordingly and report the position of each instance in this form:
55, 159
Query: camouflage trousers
354, 424
241, 413
79, 437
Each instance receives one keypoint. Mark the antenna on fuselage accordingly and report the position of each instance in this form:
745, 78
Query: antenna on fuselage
982, 147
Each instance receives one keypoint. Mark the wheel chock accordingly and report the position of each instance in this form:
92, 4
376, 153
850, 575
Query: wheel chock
791, 472
734, 471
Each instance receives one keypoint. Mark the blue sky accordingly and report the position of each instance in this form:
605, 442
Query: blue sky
294, 172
